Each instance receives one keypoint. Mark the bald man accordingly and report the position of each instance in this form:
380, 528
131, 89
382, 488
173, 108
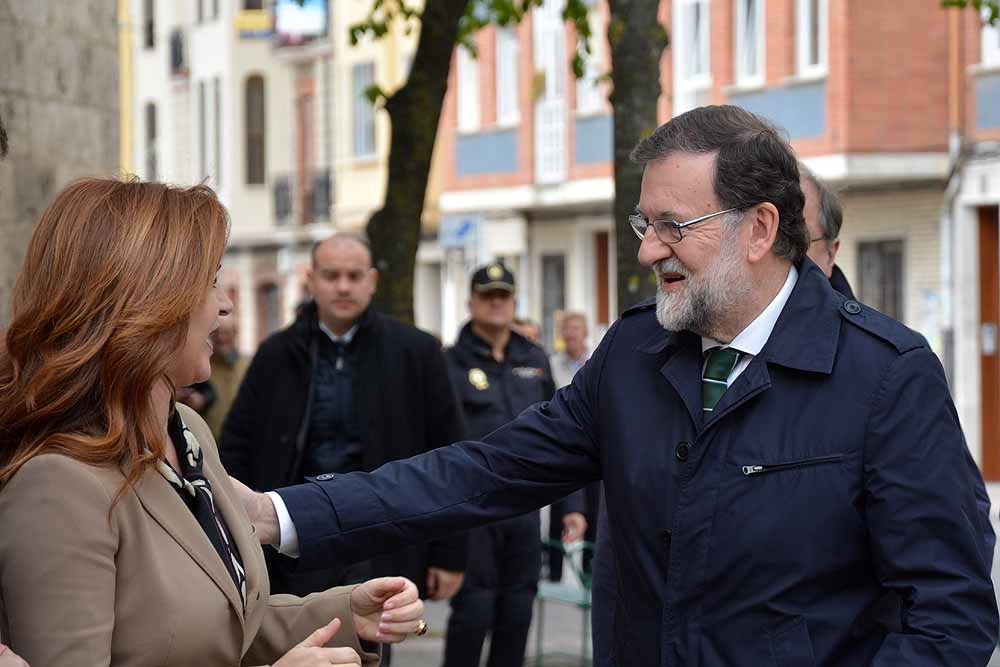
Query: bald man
345, 388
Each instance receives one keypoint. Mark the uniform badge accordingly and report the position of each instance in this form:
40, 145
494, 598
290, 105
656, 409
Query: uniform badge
527, 372
495, 272
477, 378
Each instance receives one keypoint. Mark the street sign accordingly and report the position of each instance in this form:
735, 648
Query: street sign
458, 231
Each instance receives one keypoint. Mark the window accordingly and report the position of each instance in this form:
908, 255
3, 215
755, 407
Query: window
148, 24
217, 130
553, 294
880, 274
151, 171
268, 310
210, 131
255, 139
506, 66
749, 42
468, 91
990, 42
251, 5
589, 91
811, 36
363, 76
692, 74
202, 133
178, 55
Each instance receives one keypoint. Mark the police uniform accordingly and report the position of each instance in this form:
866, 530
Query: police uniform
504, 558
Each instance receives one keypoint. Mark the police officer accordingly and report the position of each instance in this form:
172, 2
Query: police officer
498, 373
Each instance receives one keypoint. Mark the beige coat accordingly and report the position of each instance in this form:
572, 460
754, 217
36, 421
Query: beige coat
143, 586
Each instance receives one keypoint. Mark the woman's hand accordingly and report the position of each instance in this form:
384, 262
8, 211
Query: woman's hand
10, 659
386, 609
312, 652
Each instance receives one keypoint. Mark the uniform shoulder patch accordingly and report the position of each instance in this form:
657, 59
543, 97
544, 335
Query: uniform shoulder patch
882, 326
640, 307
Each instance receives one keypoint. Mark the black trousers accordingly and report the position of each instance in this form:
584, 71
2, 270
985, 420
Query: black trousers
497, 596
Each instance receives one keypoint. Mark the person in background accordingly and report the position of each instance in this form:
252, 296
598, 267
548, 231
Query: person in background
565, 364
345, 388
824, 216
122, 541
527, 328
498, 373
228, 369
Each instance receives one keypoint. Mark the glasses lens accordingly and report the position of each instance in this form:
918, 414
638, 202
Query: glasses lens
638, 225
667, 231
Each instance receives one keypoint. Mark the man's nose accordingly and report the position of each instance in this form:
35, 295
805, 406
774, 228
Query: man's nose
652, 249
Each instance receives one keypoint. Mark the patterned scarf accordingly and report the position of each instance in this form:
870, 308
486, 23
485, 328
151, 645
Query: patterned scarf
196, 491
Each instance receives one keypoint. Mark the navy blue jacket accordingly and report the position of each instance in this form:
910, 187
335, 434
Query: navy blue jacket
833, 470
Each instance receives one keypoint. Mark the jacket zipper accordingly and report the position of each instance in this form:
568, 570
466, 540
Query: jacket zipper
775, 467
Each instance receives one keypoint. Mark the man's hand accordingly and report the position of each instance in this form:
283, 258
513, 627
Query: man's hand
574, 527
386, 609
10, 659
443, 584
260, 509
312, 652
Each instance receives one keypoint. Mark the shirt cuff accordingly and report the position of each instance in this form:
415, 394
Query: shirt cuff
289, 537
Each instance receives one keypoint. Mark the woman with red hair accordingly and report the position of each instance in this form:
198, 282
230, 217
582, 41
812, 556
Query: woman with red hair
121, 539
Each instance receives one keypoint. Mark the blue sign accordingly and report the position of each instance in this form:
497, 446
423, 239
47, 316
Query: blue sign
458, 231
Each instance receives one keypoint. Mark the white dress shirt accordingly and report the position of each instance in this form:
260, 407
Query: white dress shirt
751, 340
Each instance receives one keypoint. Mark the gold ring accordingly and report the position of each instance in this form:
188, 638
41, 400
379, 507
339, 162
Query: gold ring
421, 629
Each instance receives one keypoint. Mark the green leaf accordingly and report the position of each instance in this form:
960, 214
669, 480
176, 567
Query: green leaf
375, 94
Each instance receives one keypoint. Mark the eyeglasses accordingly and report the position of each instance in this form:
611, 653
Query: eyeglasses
668, 231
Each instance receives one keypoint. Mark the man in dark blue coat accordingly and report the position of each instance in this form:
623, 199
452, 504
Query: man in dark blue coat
776, 456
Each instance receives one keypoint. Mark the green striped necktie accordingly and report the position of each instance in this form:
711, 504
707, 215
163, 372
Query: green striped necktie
720, 363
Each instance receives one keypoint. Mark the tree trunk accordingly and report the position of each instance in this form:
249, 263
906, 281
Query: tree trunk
414, 112
637, 42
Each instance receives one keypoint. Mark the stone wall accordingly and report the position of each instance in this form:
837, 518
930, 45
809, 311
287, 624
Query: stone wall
59, 100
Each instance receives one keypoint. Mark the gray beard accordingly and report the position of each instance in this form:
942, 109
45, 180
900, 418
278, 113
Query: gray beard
707, 301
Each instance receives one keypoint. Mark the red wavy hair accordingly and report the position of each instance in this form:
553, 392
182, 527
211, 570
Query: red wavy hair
101, 305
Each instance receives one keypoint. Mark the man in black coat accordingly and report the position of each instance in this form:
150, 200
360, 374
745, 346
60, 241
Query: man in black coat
345, 388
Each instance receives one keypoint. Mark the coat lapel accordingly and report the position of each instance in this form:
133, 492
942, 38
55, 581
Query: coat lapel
682, 368
161, 501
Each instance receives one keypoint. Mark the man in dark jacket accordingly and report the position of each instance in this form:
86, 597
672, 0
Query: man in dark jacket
345, 388
776, 457
823, 217
498, 373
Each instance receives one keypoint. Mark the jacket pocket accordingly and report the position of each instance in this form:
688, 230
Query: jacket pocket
791, 645
765, 468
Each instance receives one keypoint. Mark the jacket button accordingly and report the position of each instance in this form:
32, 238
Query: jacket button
665, 537
852, 307
682, 451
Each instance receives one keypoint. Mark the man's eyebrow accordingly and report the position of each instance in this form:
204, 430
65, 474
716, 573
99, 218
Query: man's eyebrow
662, 215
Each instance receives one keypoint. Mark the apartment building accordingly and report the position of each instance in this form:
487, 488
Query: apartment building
265, 102
971, 236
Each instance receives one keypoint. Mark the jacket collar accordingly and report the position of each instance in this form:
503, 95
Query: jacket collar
161, 501
805, 336
306, 325
515, 351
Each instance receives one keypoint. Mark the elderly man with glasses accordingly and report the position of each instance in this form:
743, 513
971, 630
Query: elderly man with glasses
776, 457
